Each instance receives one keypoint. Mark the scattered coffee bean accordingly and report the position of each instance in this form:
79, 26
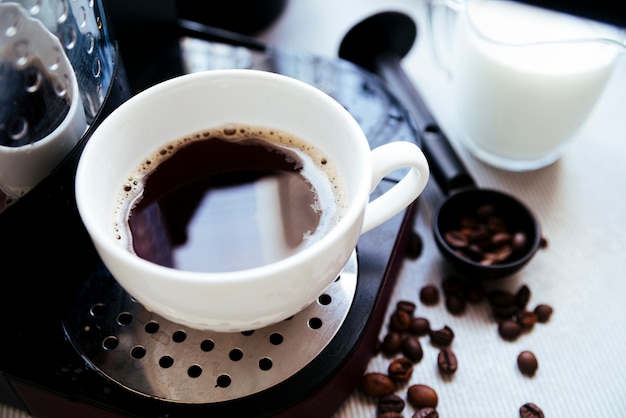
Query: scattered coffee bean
400, 369
399, 321
452, 285
442, 337
530, 410
526, 319
474, 292
527, 363
501, 298
544, 312
390, 403
522, 297
422, 396
419, 326
412, 349
377, 385
502, 303
426, 413
406, 306
414, 246
509, 330
447, 362
429, 295
392, 343
455, 304
404, 329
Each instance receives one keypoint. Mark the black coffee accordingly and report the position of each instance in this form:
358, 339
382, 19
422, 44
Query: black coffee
228, 200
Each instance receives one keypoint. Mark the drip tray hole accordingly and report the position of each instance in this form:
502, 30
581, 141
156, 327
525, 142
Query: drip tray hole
223, 381
194, 371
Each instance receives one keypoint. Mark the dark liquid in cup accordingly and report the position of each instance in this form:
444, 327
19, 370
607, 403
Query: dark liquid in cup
220, 205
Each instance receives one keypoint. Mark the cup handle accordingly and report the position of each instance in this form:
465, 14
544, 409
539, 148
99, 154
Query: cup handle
385, 159
441, 18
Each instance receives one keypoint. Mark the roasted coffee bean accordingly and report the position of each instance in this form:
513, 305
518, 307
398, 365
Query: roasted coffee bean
377, 385
400, 369
474, 292
496, 224
519, 241
390, 403
544, 312
447, 362
455, 304
391, 414
442, 337
509, 330
504, 312
485, 211
456, 239
422, 396
399, 321
527, 363
527, 319
484, 237
414, 246
522, 297
406, 306
426, 413
530, 410
452, 285
501, 298
429, 295
419, 326
496, 255
501, 238
502, 303
412, 349
392, 342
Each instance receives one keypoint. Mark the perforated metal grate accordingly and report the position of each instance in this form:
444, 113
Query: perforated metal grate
155, 357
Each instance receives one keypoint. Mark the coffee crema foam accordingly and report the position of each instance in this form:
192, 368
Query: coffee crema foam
320, 173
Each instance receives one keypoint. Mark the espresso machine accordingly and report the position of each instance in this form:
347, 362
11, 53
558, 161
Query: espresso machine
75, 344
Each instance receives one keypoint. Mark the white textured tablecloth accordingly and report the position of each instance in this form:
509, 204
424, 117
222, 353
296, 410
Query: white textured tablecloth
581, 204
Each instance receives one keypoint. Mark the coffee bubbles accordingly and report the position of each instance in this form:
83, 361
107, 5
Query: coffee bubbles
229, 198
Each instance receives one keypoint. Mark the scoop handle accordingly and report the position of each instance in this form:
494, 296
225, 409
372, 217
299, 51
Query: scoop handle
447, 168
385, 159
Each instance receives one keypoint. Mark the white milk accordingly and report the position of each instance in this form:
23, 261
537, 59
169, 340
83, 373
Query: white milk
518, 106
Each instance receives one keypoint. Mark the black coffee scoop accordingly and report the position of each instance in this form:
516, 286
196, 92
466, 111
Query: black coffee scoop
484, 234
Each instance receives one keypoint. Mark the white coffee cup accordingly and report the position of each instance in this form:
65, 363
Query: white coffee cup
255, 297
524, 79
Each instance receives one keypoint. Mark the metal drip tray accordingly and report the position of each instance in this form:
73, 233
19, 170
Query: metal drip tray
155, 357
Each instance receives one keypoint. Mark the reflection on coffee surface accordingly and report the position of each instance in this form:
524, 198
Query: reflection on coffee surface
229, 199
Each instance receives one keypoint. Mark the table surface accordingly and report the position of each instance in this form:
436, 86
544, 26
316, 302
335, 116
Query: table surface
581, 204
